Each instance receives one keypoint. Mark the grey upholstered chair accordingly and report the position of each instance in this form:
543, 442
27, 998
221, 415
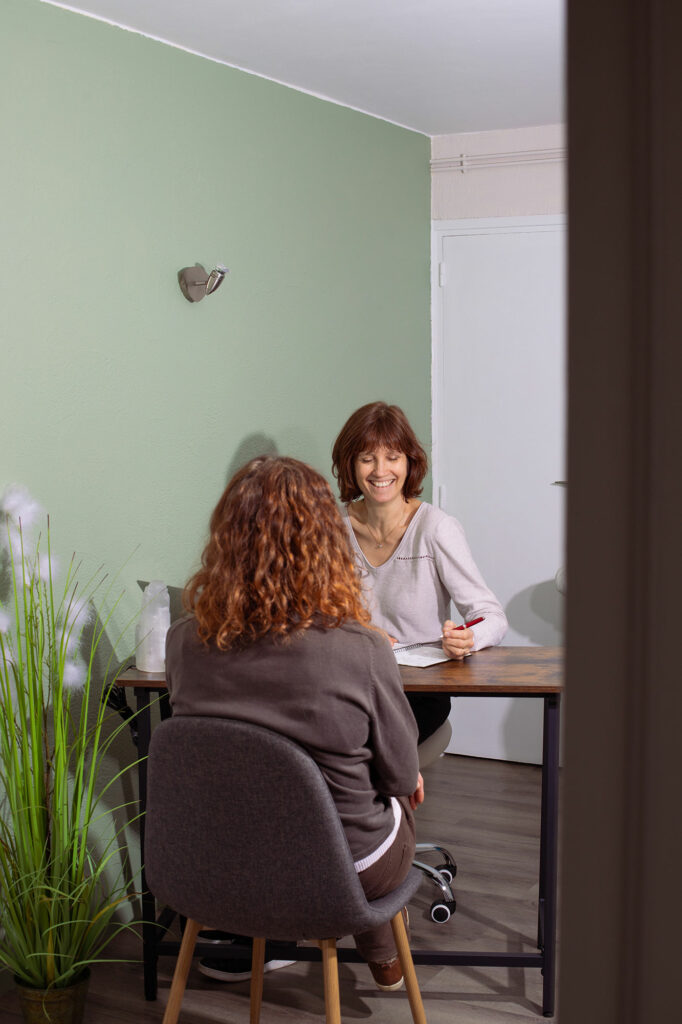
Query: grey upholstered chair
242, 835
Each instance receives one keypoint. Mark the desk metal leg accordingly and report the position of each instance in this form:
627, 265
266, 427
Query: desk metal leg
549, 834
149, 953
543, 832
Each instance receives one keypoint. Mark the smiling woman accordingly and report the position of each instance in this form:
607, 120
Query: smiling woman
381, 473
414, 558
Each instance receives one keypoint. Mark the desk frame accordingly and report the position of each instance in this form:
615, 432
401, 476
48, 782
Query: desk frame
527, 672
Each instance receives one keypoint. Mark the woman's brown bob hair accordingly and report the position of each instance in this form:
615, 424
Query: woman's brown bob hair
277, 560
377, 425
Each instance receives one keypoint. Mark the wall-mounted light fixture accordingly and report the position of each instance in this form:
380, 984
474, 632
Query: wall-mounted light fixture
195, 282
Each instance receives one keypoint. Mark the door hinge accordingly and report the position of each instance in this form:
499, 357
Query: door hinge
441, 275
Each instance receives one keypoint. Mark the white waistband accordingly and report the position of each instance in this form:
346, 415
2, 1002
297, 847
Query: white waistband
372, 858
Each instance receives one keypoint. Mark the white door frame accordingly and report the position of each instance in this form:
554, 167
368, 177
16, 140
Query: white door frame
483, 723
440, 229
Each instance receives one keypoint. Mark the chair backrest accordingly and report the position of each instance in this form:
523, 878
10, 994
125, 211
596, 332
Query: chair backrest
242, 834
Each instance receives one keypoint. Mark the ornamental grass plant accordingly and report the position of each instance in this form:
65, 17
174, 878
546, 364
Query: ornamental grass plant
57, 900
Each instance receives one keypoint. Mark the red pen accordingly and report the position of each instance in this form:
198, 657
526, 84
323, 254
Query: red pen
425, 643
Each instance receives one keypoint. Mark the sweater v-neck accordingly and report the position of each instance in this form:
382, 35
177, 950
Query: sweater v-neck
376, 568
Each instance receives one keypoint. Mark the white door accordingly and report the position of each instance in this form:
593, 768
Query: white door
498, 431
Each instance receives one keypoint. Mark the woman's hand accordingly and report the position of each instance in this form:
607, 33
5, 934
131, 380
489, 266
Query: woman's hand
457, 642
418, 795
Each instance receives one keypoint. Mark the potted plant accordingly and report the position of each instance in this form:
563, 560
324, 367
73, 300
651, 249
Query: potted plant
57, 901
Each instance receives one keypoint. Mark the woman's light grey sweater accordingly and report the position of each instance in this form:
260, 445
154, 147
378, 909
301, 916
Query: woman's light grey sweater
409, 595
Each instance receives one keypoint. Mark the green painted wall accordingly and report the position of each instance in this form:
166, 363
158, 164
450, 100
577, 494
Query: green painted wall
124, 407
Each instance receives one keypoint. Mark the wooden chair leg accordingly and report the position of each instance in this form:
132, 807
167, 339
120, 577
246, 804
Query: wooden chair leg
330, 968
257, 964
184, 962
405, 956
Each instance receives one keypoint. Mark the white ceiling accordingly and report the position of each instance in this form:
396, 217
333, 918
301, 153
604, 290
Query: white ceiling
436, 66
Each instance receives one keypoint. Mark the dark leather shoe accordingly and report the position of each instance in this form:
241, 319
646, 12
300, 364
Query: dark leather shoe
388, 977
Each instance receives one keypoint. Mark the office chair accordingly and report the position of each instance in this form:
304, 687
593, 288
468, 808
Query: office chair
242, 836
443, 874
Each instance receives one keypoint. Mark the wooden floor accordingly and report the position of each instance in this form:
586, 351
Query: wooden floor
487, 813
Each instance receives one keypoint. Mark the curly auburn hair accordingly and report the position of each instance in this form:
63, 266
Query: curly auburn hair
277, 560
377, 425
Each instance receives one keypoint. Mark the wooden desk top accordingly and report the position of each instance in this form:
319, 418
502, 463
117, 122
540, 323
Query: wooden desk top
142, 680
533, 671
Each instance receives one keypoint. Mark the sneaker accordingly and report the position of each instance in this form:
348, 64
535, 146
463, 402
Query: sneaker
212, 935
238, 969
388, 977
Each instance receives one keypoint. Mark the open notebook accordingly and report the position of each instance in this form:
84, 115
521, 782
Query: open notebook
420, 656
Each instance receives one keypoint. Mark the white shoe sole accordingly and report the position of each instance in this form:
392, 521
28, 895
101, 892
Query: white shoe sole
227, 976
390, 988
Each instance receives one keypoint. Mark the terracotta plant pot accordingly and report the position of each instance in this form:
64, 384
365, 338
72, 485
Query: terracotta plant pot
54, 1005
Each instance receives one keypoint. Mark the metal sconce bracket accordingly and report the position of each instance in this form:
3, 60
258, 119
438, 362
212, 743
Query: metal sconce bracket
195, 282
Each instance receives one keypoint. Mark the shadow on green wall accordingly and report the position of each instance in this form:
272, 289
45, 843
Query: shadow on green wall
251, 447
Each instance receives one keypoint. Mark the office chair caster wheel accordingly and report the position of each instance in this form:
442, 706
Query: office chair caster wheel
442, 911
448, 871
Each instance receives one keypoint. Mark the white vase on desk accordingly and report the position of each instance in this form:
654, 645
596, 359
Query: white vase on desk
151, 629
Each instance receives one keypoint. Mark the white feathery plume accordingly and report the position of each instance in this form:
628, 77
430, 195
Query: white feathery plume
23, 567
18, 506
74, 675
6, 652
47, 567
18, 514
78, 614
17, 503
10, 538
66, 641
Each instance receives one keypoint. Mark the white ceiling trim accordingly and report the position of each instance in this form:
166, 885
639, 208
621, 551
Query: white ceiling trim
236, 67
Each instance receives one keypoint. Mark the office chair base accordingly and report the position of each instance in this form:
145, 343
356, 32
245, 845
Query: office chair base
442, 876
442, 912
448, 867
448, 871
438, 878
